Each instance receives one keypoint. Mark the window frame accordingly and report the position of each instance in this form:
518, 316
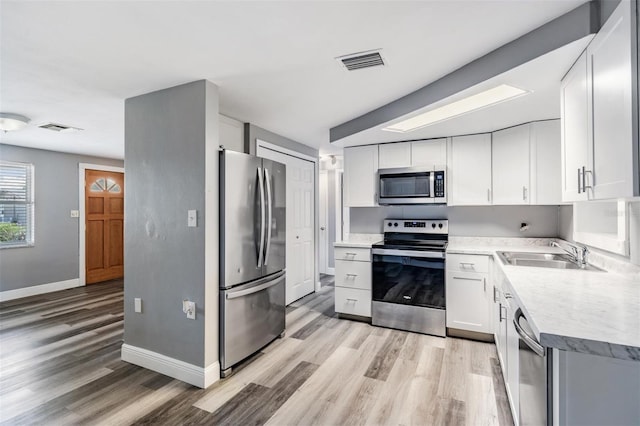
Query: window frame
29, 203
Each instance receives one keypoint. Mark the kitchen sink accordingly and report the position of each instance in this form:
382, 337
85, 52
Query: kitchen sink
542, 260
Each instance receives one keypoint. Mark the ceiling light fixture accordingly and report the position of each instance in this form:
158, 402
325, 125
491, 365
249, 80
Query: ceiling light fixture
10, 122
490, 97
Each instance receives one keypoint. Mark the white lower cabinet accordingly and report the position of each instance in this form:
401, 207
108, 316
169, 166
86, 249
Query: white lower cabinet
353, 281
469, 294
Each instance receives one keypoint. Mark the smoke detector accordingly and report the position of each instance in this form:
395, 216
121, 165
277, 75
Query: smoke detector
10, 122
59, 127
361, 60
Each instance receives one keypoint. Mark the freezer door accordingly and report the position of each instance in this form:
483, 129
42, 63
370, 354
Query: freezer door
242, 218
276, 197
252, 315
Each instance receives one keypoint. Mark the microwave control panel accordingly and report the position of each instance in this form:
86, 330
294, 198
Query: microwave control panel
438, 186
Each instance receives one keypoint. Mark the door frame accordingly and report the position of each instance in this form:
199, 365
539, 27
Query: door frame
323, 265
82, 235
316, 199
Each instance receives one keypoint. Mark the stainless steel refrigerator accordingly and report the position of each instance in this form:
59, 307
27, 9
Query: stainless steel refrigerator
252, 255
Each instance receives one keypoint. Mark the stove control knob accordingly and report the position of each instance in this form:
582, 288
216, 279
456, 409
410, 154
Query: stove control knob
390, 224
440, 225
433, 225
395, 224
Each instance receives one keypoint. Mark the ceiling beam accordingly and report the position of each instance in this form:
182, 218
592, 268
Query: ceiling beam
574, 25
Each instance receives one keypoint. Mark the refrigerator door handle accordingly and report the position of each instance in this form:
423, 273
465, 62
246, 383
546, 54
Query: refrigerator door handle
269, 215
262, 217
255, 289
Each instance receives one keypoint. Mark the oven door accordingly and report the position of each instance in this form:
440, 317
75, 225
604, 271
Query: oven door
406, 186
407, 277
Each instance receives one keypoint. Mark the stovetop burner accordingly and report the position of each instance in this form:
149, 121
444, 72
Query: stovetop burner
415, 234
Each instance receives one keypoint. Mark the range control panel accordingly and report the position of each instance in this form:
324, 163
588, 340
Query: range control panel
423, 226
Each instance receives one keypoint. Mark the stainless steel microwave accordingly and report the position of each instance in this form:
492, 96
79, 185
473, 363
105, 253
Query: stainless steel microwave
412, 185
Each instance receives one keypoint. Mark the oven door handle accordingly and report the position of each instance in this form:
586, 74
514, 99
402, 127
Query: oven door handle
410, 253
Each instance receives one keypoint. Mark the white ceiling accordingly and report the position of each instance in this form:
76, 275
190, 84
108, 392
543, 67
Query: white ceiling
74, 62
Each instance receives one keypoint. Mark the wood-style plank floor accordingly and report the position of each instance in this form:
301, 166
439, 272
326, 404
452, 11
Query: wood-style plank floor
60, 364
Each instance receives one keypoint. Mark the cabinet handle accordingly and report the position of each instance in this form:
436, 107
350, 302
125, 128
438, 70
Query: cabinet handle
508, 295
584, 179
352, 300
352, 275
579, 187
465, 265
495, 294
350, 254
484, 282
470, 279
505, 315
489, 194
524, 193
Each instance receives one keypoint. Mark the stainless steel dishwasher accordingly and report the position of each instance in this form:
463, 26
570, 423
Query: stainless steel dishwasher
535, 398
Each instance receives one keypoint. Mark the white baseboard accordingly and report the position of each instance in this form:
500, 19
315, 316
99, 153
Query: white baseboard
189, 373
38, 289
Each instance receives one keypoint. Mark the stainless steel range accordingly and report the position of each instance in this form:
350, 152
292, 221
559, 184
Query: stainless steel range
408, 276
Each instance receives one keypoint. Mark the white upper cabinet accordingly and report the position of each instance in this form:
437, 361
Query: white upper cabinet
432, 152
611, 74
574, 97
599, 144
360, 176
393, 155
470, 170
231, 133
545, 181
510, 165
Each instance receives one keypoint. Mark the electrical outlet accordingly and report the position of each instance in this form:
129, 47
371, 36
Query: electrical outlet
137, 305
75, 213
189, 308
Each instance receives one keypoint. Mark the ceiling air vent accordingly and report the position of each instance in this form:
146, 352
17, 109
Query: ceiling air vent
59, 127
360, 60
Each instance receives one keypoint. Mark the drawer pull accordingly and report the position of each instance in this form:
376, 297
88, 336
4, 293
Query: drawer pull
352, 275
352, 300
350, 254
468, 279
470, 264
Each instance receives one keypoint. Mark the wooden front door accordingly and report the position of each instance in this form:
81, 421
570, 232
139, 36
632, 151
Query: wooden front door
104, 207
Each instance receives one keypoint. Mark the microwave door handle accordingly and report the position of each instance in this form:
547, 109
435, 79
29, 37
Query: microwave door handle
262, 216
432, 185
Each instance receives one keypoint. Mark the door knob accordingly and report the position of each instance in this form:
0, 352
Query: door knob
297, 236
322, 228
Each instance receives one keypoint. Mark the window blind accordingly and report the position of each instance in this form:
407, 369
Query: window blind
16, 204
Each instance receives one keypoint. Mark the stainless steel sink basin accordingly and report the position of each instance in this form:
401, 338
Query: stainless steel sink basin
542, 260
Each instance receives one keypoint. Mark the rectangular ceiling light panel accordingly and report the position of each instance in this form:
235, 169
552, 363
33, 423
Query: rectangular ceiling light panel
498, 94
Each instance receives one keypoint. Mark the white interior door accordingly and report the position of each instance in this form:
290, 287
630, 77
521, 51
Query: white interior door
323, 187
300, 223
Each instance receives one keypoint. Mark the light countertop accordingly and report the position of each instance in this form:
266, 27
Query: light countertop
359, 240
584, 311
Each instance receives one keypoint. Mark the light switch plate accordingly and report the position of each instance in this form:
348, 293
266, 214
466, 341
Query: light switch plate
191, 310
192, 218
75, 213
137, 305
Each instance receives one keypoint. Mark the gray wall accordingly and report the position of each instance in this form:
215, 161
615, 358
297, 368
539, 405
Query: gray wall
166, 133
493, 221
55, 254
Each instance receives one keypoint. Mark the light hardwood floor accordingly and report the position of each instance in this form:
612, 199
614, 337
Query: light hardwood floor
60, 364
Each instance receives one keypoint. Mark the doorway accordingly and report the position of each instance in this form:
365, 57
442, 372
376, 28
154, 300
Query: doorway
300, 214
101, 202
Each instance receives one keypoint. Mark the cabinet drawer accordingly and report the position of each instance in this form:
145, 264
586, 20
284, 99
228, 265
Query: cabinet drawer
353, 301
467, 262
353, 253
353, 274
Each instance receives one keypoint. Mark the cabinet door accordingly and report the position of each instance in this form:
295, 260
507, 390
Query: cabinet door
510, 165
546, 181
468, 302
394, 155
360, 168
574, 100
610, 71
431, 152
470, 170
